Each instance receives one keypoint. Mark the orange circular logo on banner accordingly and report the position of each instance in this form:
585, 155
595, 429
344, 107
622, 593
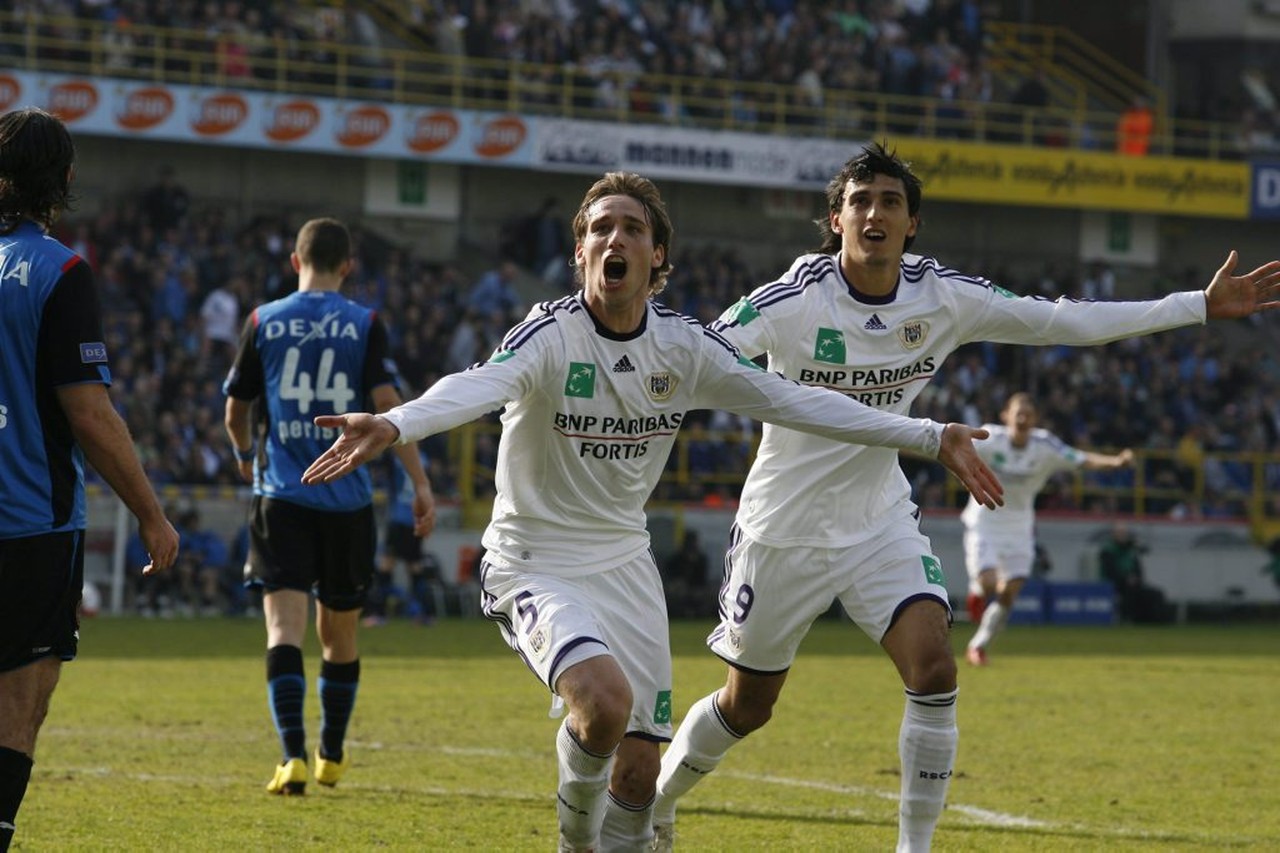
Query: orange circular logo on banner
218, 114
433, 132
145, 108
363, 126
292, 120
73, 100
500, 137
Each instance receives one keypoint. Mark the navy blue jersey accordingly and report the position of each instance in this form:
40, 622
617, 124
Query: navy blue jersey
50, 335
310, 353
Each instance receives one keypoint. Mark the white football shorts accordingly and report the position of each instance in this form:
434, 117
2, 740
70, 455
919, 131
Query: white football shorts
554, 622
772, 595
1011, 555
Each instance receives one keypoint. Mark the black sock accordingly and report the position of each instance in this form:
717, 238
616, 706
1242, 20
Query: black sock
15, 772
286, 690
337, 688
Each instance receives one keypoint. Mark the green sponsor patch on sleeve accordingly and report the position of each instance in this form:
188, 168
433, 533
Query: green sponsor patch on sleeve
742, 312
501, 355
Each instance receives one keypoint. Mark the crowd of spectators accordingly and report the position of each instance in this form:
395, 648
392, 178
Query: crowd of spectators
819, 59
177, 279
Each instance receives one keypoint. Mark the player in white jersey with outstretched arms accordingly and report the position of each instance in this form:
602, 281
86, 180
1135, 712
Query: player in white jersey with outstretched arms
863, 317
595, 387
999, 546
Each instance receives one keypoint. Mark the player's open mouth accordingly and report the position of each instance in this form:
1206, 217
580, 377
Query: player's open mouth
615, 269
874, 234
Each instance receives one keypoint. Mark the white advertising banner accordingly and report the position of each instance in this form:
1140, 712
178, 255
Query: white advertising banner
245, 119
702, 156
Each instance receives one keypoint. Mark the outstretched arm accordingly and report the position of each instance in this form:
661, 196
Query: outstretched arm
1229, 296
1104, 461
961, 458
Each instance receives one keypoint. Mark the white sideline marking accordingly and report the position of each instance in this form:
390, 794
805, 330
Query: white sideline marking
972, 815
976, 814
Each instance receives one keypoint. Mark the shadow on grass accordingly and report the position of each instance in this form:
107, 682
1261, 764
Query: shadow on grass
134, 637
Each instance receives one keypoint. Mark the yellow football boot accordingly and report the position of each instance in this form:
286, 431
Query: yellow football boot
290, 779
328, 771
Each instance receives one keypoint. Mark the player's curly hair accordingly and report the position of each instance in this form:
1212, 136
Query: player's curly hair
36, 156
874, 159
644, 191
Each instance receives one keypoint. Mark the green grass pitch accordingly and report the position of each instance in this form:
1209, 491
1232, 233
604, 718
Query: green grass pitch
1153, 739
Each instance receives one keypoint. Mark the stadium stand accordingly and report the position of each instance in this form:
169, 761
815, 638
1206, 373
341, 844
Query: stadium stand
859, 67
179, 271
1165, 394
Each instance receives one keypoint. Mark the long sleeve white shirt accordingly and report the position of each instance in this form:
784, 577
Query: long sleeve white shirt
591, 417
808, 490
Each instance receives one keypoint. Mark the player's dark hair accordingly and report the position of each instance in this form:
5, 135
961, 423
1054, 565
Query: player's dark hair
36, 156
643, 191
323, 244
874, 159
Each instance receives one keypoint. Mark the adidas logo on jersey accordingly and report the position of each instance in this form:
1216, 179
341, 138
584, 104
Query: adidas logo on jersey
874, 324
624, 365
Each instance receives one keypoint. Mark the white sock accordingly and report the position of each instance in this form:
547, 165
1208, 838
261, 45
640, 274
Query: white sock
993, 622
927, 749
626, 826
697, 748
584, 778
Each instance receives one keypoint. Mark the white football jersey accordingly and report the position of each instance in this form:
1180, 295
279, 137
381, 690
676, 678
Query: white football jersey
1023, 471
806, 490
591, 417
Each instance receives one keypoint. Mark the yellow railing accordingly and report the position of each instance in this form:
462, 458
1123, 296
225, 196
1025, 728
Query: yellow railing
301, 67
1070, 63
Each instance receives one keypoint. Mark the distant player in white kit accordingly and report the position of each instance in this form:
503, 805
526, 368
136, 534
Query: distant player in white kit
999, 545
595, 387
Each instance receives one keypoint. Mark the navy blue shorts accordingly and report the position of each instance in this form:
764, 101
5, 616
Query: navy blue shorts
329, 554
401, 543
41, 579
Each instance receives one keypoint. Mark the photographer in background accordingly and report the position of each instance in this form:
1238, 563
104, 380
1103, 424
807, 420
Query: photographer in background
1120, 564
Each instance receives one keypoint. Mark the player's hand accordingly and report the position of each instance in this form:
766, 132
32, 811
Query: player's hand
363, 437
245, 469
1124, 459
960, 457
161, 542
424, 511
1229, 296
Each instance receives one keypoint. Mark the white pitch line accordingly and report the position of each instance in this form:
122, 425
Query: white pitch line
978, 815
972, 815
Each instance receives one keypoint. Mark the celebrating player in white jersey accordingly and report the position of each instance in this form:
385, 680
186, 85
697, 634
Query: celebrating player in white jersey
999, 546
866, 319
595, 387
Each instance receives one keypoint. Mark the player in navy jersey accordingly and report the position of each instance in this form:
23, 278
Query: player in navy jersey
312, 353
863, 317
54, 414
595, 386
